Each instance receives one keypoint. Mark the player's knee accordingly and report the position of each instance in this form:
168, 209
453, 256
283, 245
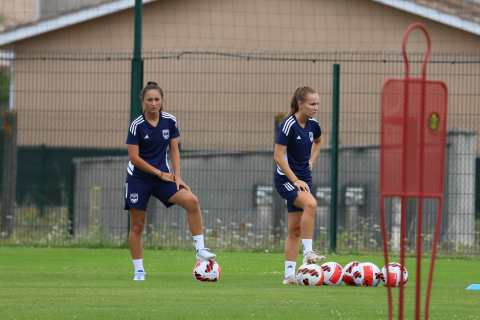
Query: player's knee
193, 204
295, 231
311, 206
194, 201
137, 227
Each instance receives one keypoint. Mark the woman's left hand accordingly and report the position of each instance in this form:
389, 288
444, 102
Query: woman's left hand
310, 165
180, 182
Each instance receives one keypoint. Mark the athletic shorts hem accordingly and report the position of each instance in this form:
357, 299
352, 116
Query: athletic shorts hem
288, 191
137, 194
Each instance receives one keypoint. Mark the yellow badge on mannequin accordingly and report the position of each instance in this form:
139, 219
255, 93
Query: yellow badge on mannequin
433, 122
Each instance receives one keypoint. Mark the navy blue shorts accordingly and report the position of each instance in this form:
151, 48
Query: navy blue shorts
288, 191
137, 194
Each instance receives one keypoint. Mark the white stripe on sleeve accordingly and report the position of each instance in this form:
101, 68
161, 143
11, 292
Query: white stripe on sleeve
169, 116
135, 123
288, 125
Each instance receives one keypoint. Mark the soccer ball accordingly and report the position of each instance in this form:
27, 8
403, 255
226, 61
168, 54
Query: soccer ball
310, 274
348, 273
394, 274
333, 274
207, 270
366, 275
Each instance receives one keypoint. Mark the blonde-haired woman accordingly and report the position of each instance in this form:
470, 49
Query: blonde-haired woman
299, 141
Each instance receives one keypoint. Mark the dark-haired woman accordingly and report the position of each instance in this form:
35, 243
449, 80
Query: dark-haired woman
299, 141
148, 174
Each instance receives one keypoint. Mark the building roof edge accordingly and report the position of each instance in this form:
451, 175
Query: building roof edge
62, 21
433, 14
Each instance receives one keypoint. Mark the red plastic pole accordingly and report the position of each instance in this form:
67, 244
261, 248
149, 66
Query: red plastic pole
385, 252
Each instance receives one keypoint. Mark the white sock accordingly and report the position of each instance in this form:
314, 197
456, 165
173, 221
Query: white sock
290, 268
138, 265
307, 245
198, 241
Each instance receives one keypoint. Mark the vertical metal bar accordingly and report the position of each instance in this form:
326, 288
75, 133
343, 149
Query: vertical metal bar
11, 96
137, 70
42, 178
434, 254
9, 178
334, 169
71, 186
278, 201
385, 253
403, 236
418, 297
403, 222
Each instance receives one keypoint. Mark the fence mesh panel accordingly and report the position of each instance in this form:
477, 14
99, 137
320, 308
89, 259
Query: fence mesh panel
72, 116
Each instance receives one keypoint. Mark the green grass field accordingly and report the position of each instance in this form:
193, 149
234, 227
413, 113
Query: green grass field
65, 283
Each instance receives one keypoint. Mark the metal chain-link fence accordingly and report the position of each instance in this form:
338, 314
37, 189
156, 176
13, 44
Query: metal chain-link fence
68, 114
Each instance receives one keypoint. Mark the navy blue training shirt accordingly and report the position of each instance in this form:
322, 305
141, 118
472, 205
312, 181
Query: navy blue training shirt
152, 144
299, 143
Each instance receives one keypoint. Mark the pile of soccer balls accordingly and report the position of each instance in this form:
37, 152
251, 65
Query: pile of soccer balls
355, 273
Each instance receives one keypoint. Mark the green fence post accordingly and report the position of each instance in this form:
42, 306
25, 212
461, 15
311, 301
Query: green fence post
42, 192
9, 177
71, 186
278, 201
137, 70
137, 64
334, 169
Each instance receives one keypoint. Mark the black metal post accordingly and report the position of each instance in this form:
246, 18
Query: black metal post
334, 172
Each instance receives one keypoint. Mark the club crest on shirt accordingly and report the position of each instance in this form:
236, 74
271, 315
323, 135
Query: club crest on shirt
166, 134
310, 134
134, 197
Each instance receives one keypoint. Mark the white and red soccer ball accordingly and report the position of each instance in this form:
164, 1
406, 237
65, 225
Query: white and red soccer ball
207, 270
366, 274
333, 274
395, 270
310, 274
348, 273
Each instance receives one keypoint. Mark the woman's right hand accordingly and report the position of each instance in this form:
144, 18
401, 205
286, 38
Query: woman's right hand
166, 176
302, 185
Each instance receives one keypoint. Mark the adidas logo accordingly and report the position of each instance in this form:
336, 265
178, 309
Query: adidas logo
298, 138
290, 266
146, 137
